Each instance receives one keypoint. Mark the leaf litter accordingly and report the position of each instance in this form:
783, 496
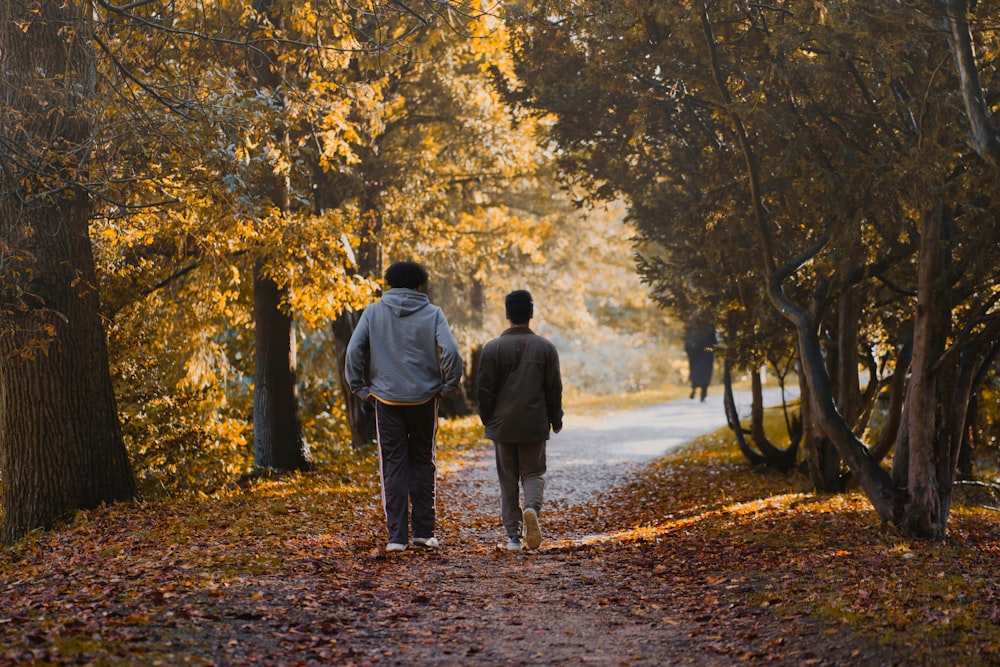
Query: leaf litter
700, 559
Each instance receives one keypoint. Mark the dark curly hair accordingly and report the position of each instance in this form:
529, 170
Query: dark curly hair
406, 274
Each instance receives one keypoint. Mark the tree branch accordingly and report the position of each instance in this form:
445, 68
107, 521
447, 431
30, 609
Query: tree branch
985, 139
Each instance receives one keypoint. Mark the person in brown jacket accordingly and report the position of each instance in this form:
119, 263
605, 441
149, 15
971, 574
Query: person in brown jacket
520, 401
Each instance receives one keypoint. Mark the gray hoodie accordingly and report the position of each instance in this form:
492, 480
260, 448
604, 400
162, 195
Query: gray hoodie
403, 351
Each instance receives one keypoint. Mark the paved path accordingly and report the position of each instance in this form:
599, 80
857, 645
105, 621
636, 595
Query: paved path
595, 454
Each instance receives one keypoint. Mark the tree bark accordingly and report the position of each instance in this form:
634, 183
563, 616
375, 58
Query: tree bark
733, 417
822, 459
61, 447
923, 513
985, 137
360, 417
897, 392
848, 380
278, 442
876, 482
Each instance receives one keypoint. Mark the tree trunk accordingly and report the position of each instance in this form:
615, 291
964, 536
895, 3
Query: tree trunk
733, 417
923, 513
848, 380
952, 431
984, 136
965, 469
782, 459
61, 447
369, 264
897, 392
360, 417
278, 442
822, 459
876, 482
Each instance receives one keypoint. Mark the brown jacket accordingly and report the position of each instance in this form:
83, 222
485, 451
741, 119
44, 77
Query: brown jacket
519, 387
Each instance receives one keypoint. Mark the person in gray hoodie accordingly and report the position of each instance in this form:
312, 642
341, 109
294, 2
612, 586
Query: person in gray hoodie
403, 358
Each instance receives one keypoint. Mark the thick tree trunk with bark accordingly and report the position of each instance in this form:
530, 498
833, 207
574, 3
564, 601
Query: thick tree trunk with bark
61, 447
944, 368
278, 442
876, 482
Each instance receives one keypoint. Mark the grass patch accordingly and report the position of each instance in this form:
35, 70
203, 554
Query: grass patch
595, 405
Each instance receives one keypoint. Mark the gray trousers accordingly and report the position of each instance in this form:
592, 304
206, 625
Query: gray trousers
519, 465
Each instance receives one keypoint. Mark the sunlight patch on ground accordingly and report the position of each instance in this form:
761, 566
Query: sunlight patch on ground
652, 533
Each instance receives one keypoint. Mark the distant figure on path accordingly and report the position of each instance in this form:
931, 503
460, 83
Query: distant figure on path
699, 345
403, 358
520, 399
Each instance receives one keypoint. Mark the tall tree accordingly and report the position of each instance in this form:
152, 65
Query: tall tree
61, 446
279, 443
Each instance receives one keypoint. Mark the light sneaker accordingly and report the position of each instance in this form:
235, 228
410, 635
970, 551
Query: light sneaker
514, 544
532, 532
426, 542
395, 546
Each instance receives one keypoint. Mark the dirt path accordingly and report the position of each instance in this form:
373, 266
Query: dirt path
594, 594
586, 597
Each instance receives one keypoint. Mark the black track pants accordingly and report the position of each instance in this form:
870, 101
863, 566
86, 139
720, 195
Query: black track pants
407, 437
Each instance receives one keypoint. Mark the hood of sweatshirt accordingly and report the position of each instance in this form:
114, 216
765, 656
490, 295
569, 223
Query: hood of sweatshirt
404, 301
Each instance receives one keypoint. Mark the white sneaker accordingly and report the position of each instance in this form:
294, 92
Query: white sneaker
514, 544
395, 546
532, 531
426, 542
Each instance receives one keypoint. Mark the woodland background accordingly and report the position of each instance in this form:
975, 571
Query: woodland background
198, 199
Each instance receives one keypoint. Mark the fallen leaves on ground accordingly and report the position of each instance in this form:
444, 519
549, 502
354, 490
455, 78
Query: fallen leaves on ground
701, 560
